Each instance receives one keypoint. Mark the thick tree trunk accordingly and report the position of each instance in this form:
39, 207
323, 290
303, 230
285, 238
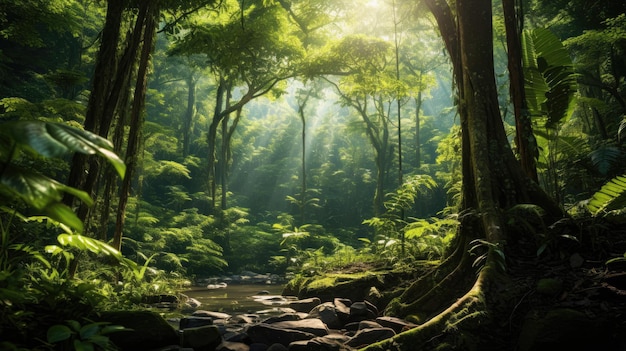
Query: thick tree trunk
493, 182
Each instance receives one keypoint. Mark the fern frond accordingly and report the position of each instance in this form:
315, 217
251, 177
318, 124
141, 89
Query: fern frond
612, 196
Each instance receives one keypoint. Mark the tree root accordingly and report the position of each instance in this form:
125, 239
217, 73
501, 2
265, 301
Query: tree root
451, 329
428, 294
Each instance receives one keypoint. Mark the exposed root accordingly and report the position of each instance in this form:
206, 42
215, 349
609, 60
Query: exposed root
427, 295
450, 329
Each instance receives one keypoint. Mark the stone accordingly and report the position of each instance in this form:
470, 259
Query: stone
316, 344
369, 336
305, 305
342, 307
327, 313
205, 338
149, 330
368, 324
282, 317
232, 346
212, 314
312, 325
277, 347
241, 319
362, 310
268, 334
398, 325
194, 321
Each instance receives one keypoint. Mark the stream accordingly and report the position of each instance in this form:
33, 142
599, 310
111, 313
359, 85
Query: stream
235, 298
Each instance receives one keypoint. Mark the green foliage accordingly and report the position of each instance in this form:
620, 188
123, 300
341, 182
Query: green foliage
48, 140
88, 337
550, 82
611, 197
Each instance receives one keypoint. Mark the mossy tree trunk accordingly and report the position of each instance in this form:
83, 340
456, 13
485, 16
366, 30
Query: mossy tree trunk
455, 295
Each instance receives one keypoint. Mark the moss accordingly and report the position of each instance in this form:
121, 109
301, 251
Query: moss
321, 283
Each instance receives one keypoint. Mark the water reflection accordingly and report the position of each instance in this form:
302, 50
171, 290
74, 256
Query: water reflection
245, 298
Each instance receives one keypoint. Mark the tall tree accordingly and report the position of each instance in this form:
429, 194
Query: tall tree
148, 13
493, 181
249, 48
524, 137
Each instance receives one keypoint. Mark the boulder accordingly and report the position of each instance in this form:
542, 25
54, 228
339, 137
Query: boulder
312, 325
305, 305
148, 330
194, 321
211, 314
205, 338
327, 313
398, 325
282, 317
269, 334
369, 336
232, 346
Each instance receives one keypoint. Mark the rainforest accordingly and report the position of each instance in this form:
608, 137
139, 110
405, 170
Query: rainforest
391, 174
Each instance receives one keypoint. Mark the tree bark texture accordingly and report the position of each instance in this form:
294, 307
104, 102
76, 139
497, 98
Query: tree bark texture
150, 10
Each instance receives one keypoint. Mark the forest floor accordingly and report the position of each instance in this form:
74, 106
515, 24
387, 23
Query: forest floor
567, 294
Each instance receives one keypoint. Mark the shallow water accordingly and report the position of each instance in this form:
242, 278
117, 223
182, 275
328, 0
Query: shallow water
235, 297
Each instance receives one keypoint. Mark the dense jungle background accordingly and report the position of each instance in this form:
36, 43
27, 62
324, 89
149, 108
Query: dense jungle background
147, 145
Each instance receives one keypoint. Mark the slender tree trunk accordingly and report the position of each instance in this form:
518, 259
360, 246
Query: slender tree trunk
212, 138
418, 143
150, 11
223, 162
190, 114
303, 189
524, 137
84, 169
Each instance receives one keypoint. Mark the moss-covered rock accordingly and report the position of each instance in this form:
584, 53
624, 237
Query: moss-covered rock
148, 330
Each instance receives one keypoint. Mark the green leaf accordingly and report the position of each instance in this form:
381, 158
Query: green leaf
58, 333
56, 139
80, 345
612, 196
550, 82
90, 330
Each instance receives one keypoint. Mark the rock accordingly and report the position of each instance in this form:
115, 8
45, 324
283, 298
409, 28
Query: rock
316, 344
342, 307
232, 346
305, 305
398, 325
205, 338
327, 313
312, 325
282, 318
149, 330
212, 314
242, 319
369, 336
194, 321
367, 324
277, 347
268, 334
362, 310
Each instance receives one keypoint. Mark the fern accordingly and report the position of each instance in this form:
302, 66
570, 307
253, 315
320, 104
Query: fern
612, 196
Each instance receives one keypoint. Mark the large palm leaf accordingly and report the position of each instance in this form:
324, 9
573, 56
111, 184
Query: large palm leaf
550, 82
48, 140
612, 196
